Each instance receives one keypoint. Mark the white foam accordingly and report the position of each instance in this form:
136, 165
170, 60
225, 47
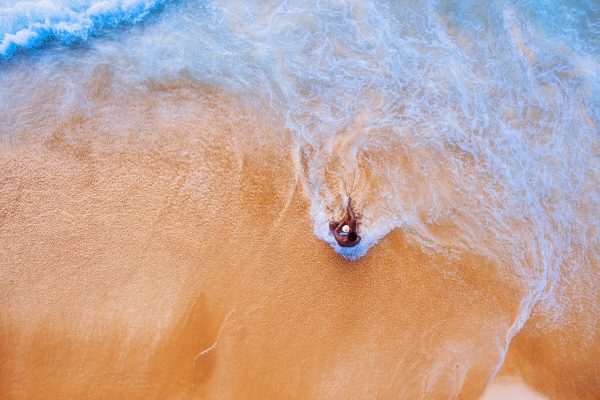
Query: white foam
29, 24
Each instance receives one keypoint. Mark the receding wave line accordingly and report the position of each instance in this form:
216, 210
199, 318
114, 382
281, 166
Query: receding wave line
31, 24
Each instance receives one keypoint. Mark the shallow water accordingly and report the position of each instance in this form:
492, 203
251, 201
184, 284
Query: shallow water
466, 133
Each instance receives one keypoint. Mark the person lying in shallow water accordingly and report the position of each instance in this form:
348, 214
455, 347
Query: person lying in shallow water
344, 232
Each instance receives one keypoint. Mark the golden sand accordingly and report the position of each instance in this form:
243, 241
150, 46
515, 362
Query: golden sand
157, 262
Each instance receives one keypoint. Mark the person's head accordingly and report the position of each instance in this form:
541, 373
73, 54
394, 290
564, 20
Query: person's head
352, 236
345, 229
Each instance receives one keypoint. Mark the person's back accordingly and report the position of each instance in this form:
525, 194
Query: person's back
348, 236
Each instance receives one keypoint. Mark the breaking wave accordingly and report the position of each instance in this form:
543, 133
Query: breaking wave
30, 24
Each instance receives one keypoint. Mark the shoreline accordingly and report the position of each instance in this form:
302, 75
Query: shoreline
133, 261
161, 256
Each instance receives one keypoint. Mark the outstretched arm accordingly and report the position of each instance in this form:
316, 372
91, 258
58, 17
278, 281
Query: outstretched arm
351, 219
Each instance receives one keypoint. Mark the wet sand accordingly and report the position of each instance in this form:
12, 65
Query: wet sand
175, 259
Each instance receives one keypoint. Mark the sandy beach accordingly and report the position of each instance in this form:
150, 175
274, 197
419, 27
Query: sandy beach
169, 170
161, 266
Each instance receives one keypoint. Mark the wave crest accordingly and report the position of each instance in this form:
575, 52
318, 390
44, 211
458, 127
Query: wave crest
31, 24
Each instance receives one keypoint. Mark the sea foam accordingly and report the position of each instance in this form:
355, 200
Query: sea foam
29, 24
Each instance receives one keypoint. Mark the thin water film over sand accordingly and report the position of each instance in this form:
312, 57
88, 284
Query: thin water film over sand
169, 170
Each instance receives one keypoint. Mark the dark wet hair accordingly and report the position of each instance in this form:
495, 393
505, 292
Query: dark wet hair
352, 236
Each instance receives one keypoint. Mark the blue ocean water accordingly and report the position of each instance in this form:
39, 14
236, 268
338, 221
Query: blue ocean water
31, 24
